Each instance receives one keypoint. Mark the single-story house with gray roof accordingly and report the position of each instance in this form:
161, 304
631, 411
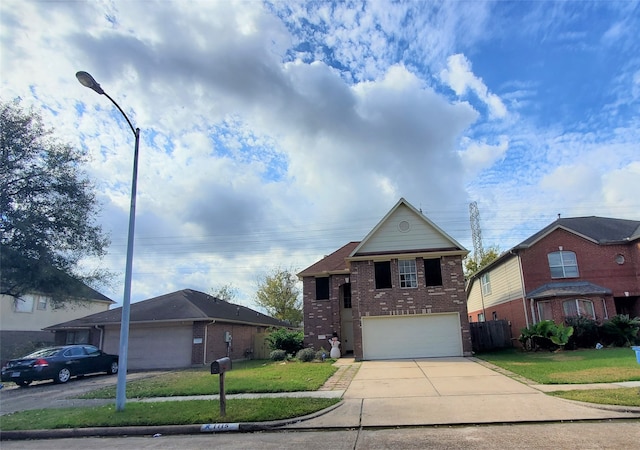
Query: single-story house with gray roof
181, 329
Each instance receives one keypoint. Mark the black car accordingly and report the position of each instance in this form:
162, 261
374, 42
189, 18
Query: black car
59, 364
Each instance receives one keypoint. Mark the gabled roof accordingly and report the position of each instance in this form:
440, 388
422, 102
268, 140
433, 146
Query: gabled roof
567, 289
437, 240
600, 230
332, 264
184, 305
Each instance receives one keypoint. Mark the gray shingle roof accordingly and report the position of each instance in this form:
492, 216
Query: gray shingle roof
184, 305
567, 289
602, 230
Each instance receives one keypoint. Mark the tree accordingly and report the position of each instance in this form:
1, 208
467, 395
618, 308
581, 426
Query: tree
48, 210
491, 254
227, 292
278, 294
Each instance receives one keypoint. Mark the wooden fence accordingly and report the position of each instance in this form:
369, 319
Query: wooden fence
491, 335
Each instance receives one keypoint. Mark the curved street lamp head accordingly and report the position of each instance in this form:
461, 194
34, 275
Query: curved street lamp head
88, 81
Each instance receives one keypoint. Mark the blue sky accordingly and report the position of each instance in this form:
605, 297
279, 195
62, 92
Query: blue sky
275, 132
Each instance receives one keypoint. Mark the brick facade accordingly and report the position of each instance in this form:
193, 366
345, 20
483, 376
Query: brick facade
615, 267
241, 343
322, 317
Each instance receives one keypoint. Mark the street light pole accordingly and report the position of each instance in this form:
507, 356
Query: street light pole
121, 389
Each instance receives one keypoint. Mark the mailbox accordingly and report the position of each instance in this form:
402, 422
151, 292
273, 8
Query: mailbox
221, 365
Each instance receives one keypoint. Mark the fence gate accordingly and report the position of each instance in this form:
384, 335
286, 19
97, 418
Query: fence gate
490, 335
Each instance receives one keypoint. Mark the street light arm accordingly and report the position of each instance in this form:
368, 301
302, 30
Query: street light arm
87, 80
121, 111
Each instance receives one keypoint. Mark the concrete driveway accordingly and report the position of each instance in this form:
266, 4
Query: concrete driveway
441, 391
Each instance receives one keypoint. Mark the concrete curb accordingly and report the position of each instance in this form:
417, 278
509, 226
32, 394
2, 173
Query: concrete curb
158, 430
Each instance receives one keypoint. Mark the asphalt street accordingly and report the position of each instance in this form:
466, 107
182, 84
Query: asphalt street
583, 435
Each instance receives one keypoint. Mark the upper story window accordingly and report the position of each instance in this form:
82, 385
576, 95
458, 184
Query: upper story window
42, 303
563, 264
383, 274
579, 307
322, 288
408, 273
485, 281
24, 304
432, 272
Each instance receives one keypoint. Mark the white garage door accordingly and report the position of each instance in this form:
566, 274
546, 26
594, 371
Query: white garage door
420, 336
154, 346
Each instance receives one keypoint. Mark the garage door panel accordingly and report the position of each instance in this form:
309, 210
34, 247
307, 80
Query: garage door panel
153, 347
418, 336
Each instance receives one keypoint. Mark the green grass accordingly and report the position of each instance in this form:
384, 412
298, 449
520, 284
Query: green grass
257, 376
608, 365
165, 413
621, 396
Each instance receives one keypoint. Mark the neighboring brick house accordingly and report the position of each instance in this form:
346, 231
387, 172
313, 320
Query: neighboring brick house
181, 329
587, 266
399, 293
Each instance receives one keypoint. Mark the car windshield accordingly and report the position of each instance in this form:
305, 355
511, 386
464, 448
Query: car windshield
43, 353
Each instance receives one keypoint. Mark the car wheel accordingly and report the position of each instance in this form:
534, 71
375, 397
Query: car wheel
23, 383
113, 368
63, 375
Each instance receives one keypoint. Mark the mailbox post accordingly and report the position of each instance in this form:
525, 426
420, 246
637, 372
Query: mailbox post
220, 367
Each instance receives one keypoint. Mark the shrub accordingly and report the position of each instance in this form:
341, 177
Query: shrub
306, 355
621, 330
288, 340
278, 355
545, 334
585, 332
321, 352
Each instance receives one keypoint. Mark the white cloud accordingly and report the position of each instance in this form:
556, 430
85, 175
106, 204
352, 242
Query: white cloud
459, 76
478, 156
275, 133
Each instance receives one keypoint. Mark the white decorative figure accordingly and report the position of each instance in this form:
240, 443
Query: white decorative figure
335, 348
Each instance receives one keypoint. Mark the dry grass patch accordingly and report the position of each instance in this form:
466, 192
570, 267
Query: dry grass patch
594, 375
620, 397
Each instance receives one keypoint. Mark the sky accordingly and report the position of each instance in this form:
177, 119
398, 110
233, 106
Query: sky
274, 132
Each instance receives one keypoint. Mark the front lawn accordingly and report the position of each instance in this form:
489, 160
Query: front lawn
608, 365
621, 396
187, 412
246, 377
257, 376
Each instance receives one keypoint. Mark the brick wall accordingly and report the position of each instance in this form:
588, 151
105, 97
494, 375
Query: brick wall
369, 301
243, 336
321, 317
596, 263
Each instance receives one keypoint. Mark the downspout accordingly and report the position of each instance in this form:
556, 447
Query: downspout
101, 340
604, 305
206, 336
484, 313
533, 314
524, 300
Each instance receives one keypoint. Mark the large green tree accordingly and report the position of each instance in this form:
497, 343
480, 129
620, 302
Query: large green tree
471, 265
48, 211
279, 295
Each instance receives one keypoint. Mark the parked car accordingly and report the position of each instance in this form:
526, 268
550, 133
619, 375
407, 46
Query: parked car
59, 364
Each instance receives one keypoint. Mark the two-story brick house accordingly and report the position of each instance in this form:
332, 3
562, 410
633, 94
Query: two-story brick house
398, 293
587, 266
